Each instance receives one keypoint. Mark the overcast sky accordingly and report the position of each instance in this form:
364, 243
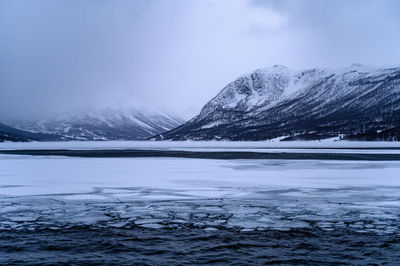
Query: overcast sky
57, 56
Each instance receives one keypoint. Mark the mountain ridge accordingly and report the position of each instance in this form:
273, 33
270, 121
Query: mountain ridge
276, 101
8, 133
103, 124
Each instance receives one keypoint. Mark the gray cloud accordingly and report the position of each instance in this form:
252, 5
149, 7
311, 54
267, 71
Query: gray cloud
339, 32
60, 55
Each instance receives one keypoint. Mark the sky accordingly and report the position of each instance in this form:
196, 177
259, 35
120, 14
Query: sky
60, 56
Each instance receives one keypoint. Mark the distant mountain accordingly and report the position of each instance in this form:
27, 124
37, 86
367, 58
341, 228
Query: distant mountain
355, 102
8, 133
105, 124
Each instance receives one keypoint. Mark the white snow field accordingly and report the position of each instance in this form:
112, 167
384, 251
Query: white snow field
248, 194
182, 178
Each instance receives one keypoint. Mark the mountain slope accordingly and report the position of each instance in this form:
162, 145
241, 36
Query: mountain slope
105, 124
8, 133
278, 101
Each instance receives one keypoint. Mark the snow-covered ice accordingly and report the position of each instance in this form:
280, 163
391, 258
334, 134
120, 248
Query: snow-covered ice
28, 175
44, 191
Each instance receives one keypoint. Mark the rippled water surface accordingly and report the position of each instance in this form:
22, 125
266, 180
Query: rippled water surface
193, 246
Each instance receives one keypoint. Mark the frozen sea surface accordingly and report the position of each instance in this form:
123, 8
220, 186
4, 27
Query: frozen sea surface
193, 211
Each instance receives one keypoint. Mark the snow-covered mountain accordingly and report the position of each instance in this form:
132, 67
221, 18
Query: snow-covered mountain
358, 101
8, 133
104, 124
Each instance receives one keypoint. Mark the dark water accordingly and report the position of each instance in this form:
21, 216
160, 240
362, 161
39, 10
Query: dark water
273, 229
83, 245
227, 155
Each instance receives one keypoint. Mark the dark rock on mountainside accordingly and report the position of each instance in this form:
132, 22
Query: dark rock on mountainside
357, 102
389, 134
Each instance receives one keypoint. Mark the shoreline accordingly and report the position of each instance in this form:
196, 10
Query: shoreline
222, 155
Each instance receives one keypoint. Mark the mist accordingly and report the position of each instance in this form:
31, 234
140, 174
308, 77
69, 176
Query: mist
60, 56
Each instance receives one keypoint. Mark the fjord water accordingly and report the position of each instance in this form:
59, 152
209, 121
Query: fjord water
57, 209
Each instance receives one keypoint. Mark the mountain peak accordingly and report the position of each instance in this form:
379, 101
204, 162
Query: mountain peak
279, 66
275, 101
357, 65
